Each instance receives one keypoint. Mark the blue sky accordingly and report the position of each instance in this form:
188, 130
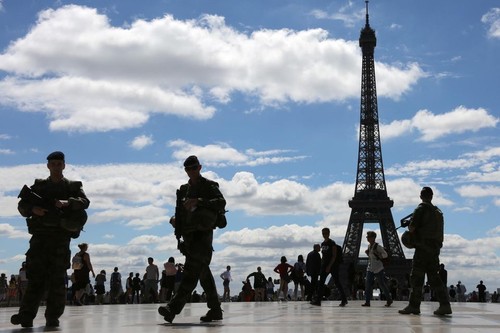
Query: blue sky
267, 94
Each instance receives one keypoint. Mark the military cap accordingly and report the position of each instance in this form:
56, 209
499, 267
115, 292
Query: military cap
191, 161
56, 155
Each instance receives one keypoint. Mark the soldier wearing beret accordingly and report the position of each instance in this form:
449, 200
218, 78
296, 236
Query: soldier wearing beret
52, 222
427, 228
198, 203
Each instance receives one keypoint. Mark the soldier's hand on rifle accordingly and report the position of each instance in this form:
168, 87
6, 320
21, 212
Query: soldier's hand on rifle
39, 211
61, 203
191, 204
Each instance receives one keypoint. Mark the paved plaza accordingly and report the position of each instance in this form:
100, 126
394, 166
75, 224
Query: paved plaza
272, 317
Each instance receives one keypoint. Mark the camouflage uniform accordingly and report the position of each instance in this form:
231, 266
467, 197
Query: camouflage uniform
428, 224
48, 256
196, 229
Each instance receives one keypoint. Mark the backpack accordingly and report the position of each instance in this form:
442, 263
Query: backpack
339, 258
385, 261
297, 273
77, 262
260, 280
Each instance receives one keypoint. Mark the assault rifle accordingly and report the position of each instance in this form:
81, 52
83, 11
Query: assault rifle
405, 221
35, 199
178, 218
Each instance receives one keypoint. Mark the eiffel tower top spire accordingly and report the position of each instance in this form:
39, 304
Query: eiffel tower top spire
367, 23
367, 40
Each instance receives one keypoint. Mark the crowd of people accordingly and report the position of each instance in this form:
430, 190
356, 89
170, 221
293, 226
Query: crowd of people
149, 287
301, 282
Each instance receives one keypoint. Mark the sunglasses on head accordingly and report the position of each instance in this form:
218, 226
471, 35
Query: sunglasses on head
191, 168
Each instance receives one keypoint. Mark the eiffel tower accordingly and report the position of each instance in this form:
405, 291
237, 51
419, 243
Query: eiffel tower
370, 204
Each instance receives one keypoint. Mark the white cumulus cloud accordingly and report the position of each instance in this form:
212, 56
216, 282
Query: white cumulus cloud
141, 142
95, 77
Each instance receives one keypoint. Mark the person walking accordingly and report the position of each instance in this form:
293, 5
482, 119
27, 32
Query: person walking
329, 265
151, 282
270, 289
115, 285
51, 225
4, 287
427, 227
22, 281
137, 287
481, 291
374, 269
226, 278
461, 290
198, 204
299, 279
313, 268
170, 272
81, 273
443, 274
259, 284
283, 269
129, 288
100, 289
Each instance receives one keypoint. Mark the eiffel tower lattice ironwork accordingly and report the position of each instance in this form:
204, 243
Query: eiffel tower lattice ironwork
371, 204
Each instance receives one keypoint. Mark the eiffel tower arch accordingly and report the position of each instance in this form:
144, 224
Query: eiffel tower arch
370, 203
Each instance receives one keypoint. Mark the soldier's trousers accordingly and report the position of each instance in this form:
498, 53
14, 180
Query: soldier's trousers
46, 263
196, 268
426, 261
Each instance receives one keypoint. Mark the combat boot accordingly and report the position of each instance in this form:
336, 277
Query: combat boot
212, 314
315, 301
444, 309
410, 310
167, 313
17, 319
51, 322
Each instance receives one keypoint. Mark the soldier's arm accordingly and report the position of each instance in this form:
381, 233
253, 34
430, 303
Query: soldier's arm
215, 200
417, 219
78, 200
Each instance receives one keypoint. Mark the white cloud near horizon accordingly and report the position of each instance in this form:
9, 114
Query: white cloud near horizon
75, 75
129, 192
486, 161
